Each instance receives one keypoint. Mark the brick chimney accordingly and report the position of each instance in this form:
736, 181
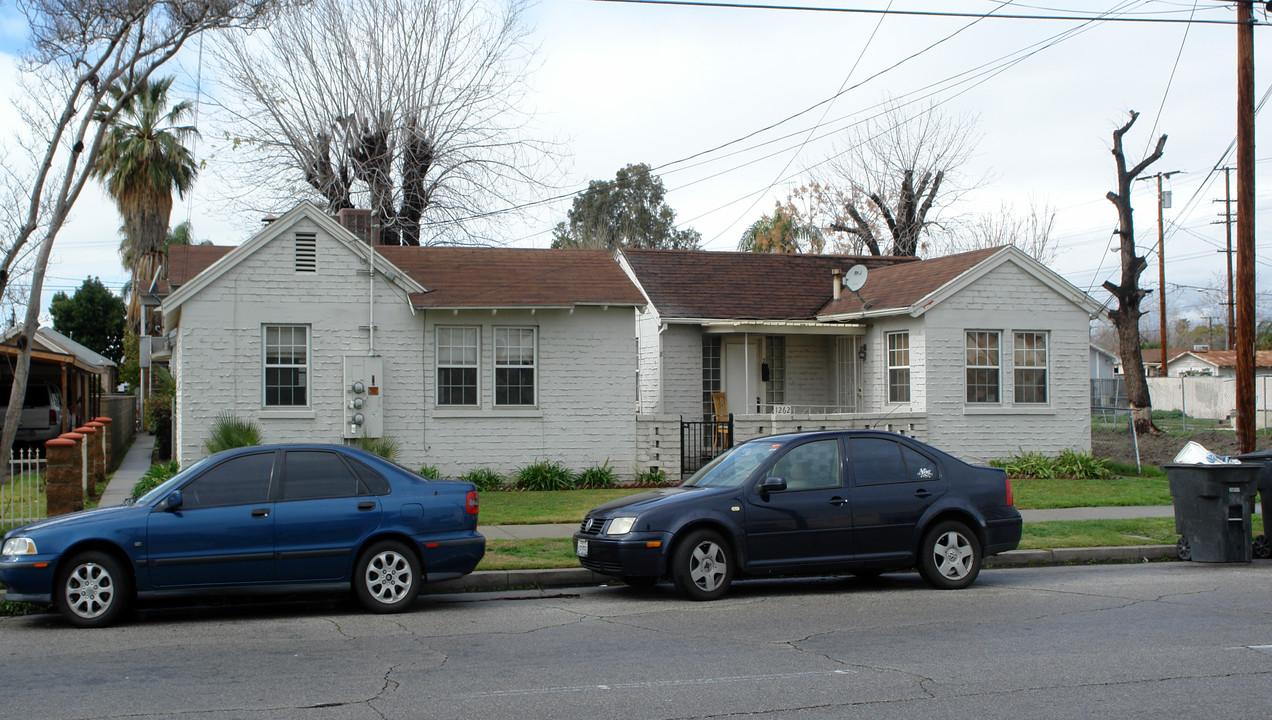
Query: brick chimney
360, 223
837, 277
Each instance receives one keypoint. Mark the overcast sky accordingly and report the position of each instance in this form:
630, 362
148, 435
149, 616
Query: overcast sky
623, 83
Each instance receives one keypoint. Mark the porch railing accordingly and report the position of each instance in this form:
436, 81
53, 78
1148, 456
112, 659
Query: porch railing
782, 409
22, 494
701, 441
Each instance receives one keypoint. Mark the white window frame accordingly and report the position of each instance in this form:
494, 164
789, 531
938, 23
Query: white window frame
1031, 353
450, 364
775, 357
993, 361
892, 357
533, 366
303, 367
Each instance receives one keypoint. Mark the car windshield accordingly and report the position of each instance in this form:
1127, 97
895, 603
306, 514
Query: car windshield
734, 466
167, 485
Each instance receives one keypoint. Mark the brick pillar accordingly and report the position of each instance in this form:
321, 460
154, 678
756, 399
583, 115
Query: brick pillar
107, 449
63, 490
97, 456
77, 462
86, 456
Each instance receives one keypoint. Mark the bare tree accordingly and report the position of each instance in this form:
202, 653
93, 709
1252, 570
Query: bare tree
892, 176
1126, 315
78, 50
1031, 233
411, 108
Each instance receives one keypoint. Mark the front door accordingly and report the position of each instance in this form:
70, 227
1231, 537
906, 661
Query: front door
742, 376
223, 532
810, 522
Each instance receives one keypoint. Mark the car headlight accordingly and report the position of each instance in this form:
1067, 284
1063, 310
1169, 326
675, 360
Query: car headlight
620, 526
18, 546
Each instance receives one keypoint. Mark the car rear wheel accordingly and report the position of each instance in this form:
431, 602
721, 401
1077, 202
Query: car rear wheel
950, 556
387, 577
93, 590
701, 566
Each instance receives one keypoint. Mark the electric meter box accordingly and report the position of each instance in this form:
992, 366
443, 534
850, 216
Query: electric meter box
364, 403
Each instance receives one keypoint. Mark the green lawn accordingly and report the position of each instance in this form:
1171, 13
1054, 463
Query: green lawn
544, 506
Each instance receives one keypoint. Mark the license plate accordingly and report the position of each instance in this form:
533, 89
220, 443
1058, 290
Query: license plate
581, 548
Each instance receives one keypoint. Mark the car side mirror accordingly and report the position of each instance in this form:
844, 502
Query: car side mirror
771, 485
173, 501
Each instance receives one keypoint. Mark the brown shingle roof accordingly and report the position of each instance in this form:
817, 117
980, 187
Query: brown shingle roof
512, 277
1221, 358
758, 286
901, 286
186, 261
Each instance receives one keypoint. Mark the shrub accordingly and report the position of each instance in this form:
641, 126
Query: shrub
1068, 464
430, 471
544, 475
484, 479
385, 447
230, 431
155, 476
651, 476
156, 417
596, 477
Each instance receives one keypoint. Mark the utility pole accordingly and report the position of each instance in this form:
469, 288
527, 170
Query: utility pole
1161, 259
1227, 222
1245, 226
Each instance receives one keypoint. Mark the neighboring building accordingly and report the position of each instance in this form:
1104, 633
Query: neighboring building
467, 357
1153, 360
978, 353
1215, 363
68, 375
1105, 365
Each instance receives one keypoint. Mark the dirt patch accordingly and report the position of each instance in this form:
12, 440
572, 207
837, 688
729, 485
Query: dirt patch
1157, 449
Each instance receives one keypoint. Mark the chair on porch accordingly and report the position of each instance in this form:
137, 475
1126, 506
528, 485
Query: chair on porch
720, 440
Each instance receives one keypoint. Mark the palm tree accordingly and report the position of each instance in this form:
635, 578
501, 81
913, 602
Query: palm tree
781, 232
143, 159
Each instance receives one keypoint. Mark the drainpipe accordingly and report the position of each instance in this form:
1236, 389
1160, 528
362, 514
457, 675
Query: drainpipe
371, 297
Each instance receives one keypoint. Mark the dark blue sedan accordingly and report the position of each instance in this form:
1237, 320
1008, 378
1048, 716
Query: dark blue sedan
861, 502
283, 518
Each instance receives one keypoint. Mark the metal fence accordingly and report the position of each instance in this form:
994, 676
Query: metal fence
701, 441
22, 493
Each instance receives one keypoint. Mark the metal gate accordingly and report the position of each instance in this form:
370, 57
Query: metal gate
701, 441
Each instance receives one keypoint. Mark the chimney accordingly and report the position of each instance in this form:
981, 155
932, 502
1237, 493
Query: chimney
838, 284
359, 222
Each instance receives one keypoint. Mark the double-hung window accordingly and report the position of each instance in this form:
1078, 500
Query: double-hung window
1030, 360
514, 366
286, 366
457, 350
983, 359
899, 367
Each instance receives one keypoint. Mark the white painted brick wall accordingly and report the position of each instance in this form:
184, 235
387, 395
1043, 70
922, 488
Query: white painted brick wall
1006, 300
682, 371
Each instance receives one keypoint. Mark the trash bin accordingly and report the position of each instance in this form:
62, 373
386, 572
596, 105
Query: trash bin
1263, 543
1212, 509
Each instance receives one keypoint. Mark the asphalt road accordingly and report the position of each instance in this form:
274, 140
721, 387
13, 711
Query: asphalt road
1138, 640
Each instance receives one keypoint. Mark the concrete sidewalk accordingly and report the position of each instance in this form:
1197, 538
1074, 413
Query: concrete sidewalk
135, 464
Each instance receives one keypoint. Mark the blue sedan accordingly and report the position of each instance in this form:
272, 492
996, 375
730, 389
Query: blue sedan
282, 518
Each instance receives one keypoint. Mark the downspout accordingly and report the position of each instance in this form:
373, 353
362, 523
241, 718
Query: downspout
746, 369
371, 297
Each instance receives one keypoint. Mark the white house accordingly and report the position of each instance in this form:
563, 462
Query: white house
980, 353
467, 357
1215, 363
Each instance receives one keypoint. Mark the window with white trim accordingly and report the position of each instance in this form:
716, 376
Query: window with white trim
899, 367
1030, 360
775, 359
286, 365
457, 351
982, 366
515, 366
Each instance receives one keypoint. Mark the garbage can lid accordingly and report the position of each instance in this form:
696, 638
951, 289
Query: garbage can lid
1257, 456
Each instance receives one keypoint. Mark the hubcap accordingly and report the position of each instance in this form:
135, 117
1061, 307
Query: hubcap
90, 590
389, 577
707, 566
953, 555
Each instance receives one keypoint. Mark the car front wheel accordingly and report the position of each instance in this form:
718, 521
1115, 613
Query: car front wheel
387, 577
701, 566
93, 590
950, 556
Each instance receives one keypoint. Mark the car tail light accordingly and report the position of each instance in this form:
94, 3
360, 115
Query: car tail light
471, 504
1011, 500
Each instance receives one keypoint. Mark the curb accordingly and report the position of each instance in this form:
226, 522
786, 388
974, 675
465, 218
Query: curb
491, 580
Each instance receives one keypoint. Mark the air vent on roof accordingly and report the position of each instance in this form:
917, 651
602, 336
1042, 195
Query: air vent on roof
1201, 348
306, 252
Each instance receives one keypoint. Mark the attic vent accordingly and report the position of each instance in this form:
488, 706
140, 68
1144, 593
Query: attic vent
306, 252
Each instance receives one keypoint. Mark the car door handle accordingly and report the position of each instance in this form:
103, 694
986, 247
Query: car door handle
366, 506
837, 501
260, 513
922, 494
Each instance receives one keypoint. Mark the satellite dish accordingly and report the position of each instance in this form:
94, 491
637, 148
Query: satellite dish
855, 277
